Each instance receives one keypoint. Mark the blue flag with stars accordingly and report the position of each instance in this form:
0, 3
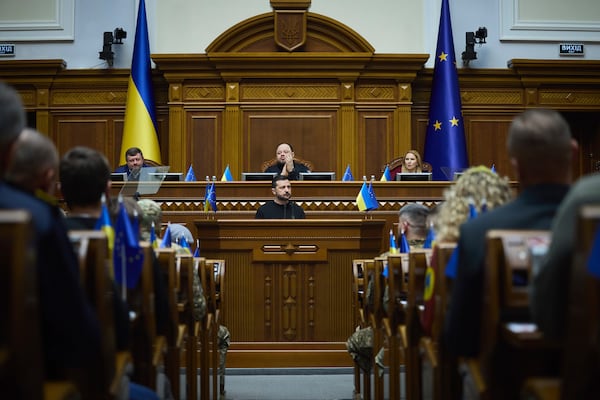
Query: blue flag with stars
445, 144
128, 254
347, 175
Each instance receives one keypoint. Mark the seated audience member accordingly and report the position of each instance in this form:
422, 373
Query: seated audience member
286, 165
281, 207
412, 162
480, 188
550, 286
412, 220
134, 161
70, 328
538, 140
151, 214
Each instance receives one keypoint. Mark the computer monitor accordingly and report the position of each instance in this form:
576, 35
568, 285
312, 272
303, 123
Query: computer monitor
258, 176
413, 176
166, 176
317, 176
118, 176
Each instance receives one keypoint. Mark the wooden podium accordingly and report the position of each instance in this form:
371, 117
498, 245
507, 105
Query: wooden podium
287, 298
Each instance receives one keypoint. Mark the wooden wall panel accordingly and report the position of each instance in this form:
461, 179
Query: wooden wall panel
486, 143
92, 131
312, 133
203, 136
376, 133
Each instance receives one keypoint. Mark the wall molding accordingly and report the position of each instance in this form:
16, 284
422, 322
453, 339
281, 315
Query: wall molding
58, 25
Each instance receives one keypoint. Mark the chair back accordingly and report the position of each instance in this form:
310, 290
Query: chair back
395, 166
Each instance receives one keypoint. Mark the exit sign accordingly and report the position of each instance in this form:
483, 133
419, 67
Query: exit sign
7, 50
570, 49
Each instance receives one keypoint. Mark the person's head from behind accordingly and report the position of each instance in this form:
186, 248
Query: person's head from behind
151, 214
541, 147
12, 121
412, 220
281, 188
84, 177
134, 158
412, 162
33, 164
179, 231
478, 186
284, 150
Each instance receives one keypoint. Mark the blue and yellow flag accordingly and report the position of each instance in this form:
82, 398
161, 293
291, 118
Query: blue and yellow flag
347, 175
139, 128
128, 256
104, 224
197, 251
153, 239
386, 176
445, 143
185, 245
430, 238
363, 197
190, 176
393, 246
226, 175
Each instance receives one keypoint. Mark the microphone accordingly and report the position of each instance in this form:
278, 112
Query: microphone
291, 204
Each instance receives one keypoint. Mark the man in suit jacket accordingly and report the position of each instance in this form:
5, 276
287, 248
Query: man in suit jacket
285, 165
539, 140
134, 162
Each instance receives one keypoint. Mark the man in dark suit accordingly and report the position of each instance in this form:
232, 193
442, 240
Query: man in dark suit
134, 162
541, 149
70, 328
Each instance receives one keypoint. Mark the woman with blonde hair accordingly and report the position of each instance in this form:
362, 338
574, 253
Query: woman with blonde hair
412, 162
477, 190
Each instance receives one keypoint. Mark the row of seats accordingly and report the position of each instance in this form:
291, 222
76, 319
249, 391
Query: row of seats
515, 359
21, 367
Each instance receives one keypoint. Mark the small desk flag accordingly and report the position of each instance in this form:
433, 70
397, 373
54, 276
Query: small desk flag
190, 176
197, 251
166, 240
347, 175
226, 175
404, 246
594, 258
128, 256
104, 224
429, 239
372, 202
210, 198
387, 176
393, 247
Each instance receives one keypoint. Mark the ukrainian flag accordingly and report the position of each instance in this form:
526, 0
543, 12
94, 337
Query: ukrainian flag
363, 197
227, 177
104, 224
387, 176
140, 119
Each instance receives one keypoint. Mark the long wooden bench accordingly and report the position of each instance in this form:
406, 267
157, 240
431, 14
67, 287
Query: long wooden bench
511, 346
22, 373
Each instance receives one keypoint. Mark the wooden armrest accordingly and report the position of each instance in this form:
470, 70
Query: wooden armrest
209, 320
387, 327
473, 368
403, 337
197, 328
542, 389
60, 391
429, 350
160, 347
123, 361
181, 334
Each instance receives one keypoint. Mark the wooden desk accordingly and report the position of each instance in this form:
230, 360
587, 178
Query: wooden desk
288, 286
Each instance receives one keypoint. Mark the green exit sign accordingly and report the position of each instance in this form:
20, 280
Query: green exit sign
570, 49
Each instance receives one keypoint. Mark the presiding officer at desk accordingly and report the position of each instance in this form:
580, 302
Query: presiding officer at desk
285, 164
134, 162
280, 207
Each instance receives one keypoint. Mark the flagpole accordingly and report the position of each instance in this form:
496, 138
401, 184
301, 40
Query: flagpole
123, 275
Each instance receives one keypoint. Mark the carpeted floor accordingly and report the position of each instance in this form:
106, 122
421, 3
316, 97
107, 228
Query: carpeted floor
288, 384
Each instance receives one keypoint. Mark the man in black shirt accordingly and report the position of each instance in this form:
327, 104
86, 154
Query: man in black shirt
280, 207
285, 164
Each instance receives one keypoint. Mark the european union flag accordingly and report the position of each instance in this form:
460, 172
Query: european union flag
445, 144
594, 258
372, 202
167, 238
493, 168
139, 128
429, 239
452, 266
386, 177
404, 246
128, 255
227, 175
190, 176
185, 245
210, 198
347, 175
